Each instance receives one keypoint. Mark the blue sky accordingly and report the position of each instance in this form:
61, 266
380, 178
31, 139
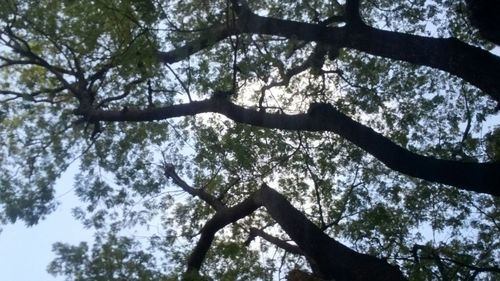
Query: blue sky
26, 252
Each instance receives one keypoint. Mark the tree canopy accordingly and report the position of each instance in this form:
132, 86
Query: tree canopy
318, 140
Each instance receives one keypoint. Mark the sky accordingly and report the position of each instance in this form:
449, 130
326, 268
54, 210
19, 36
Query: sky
26, 252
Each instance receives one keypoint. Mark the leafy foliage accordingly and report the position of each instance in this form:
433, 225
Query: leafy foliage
61, 58
114, 259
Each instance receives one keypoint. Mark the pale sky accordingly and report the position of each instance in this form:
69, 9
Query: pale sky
26, 252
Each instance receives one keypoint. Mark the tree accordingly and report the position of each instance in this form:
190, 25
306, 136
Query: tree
355, 130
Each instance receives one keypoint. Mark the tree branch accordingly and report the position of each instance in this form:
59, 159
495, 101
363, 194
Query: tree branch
209, 38
352, 13
477, 177
221, 218
254, 232
474, 65
333, 259
169, 170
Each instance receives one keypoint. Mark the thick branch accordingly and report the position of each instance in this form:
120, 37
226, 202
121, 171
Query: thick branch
477, 177
352, 12
475, 65
332, 259
221, 218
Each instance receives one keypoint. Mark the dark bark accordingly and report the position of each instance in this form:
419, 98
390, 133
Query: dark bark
333, 259
483, 14
299, 275
475, 65
477, 177
254, 232
221, 218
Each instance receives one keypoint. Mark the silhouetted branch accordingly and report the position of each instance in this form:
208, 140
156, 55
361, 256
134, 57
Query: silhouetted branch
169, 170
332, 259
477, 177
